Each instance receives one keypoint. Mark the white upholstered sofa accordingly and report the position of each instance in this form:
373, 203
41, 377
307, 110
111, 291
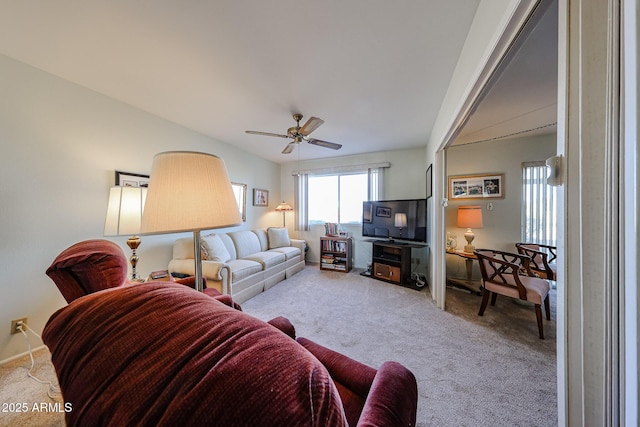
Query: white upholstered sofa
241, 263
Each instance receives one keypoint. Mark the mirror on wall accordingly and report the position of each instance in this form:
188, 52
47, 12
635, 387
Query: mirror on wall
240, 191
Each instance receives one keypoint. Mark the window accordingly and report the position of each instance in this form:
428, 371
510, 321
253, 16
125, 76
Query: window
539, 205
335, 194
337, 198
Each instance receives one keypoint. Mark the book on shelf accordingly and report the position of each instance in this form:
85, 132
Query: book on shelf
331, 229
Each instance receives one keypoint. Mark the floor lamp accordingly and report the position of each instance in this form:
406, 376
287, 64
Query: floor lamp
284, 207
189, 191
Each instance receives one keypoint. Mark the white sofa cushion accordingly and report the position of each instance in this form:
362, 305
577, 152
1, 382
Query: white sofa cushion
278, 237
246, 243
243, 268
267, 259
289, 252
216, 250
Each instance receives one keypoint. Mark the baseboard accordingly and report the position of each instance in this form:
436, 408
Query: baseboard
25, 354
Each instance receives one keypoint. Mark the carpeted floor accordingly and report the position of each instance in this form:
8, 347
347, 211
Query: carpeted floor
471, 371
24, 401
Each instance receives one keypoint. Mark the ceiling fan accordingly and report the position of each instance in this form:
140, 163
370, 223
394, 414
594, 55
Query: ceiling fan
299, 134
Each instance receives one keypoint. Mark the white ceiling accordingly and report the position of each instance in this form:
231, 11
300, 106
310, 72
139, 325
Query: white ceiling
376, 71
522, 97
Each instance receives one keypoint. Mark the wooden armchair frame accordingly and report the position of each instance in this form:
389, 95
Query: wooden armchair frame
503, 272
541, 260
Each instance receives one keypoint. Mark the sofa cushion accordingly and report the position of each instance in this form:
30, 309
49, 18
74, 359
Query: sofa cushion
264, 239
216, 250
289, 252
267, 259
278, 237
243, 268
246, 243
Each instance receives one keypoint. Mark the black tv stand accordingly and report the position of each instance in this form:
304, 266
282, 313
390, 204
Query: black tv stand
391, 261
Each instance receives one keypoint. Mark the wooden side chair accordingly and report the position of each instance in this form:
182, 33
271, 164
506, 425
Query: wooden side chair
510, 275
543, 258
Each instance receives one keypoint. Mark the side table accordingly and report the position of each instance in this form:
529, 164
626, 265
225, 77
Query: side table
475, 286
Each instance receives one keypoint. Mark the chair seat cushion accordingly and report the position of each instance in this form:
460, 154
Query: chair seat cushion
162, 354
537, 289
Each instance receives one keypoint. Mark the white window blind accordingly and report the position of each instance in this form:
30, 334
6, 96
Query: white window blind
539, 205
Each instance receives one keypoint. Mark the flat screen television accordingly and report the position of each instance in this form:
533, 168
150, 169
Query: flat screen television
395, 219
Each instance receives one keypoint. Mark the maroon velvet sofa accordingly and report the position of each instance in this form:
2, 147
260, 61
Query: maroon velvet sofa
162, 354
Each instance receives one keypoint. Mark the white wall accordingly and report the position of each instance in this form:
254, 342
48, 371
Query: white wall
405, 179
61, 144
501, 228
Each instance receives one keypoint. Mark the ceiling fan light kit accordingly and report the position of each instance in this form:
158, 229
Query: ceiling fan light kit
299, 134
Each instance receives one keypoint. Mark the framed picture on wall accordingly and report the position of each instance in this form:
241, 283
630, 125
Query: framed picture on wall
489, 186
128, 179
260, 197
429, 181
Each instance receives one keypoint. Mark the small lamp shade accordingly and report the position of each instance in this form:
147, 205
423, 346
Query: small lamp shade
469, 217
187, 192
124, 211
284, 207
400, 220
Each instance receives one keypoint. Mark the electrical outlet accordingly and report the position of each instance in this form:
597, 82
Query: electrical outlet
16, 325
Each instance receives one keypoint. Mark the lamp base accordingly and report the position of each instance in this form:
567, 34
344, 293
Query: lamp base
469, 236
133, 242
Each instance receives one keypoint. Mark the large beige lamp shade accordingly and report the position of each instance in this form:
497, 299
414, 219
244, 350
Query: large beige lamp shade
189, 191
469, 217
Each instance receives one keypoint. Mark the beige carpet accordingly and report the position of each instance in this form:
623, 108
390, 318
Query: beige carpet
24, 401
471, 371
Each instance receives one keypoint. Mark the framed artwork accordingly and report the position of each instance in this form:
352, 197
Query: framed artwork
383, 212
489, 186
260, 197
240, 191
429, 182
128, 179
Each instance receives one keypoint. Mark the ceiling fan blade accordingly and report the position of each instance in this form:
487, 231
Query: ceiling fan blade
311, 125
325, 144
253, 132
289, 148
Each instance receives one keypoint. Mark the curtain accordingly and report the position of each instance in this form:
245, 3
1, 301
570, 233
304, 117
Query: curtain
300, 186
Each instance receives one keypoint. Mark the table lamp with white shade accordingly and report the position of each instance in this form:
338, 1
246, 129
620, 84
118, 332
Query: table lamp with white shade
400, 221
189, 191
469, 217
124, 213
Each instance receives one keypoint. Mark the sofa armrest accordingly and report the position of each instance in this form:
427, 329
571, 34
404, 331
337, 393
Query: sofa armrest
300, 244
212, 270
393, 398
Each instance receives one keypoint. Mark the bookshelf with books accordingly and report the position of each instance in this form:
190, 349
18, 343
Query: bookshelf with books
335, 253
